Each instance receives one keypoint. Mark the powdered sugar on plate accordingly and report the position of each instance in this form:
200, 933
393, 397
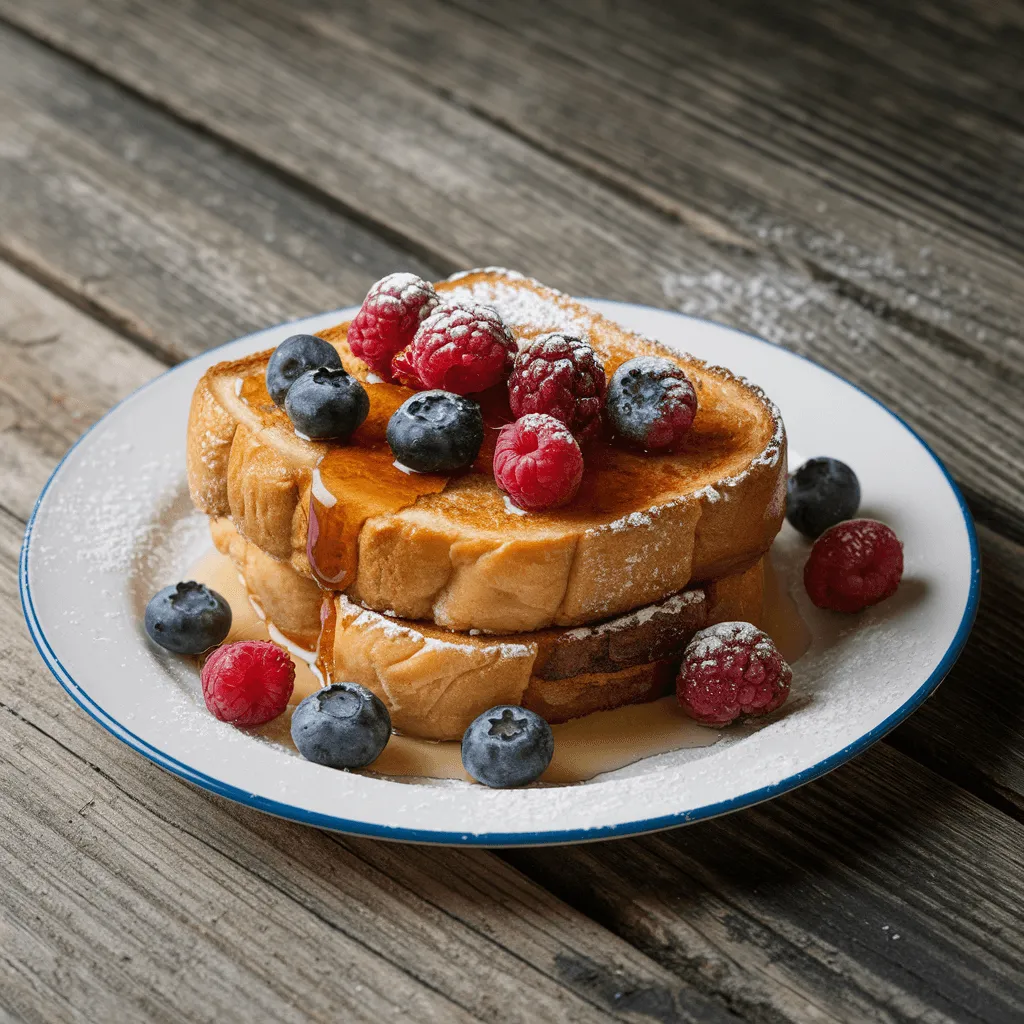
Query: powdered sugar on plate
115, 525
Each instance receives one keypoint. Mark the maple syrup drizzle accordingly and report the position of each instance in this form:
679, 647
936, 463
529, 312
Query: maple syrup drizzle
584, 747
325, 645
359, 480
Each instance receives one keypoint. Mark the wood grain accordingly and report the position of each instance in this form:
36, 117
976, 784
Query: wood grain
841, 177
890, 917
373, 140
747, 117
128, 894
757, 917
157, 231
69, 144
61, 371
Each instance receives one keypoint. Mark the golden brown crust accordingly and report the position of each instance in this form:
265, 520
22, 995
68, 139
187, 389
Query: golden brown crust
436, 682
288, 599
458, 558
602, 691
211, 431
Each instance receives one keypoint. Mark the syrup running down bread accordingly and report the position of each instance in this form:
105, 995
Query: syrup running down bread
584, 747
449, 551
435, 593
435, 682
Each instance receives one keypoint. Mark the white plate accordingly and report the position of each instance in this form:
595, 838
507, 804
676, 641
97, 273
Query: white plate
114, 523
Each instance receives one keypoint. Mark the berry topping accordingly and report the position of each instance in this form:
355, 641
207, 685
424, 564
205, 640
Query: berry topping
821, 493
560, 375
248, 683
344, 725
188, 618
507, 746
327, 403
458, 348
651, 403
436, 432
538, 462
729, 670
292, 358
853, 565
388, 318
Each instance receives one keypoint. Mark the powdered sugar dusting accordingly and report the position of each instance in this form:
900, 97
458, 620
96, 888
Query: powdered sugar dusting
390, 627
540, 421
103, 526
709, 642
405, 287
555, 341
512, 508
669, 608
520, 308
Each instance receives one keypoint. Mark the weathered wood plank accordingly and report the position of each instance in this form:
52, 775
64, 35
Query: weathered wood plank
110, 914
62, 153
910, 107
364, 134
61, 371
773, 954
155, 229
742, 114
893, 925
127, 892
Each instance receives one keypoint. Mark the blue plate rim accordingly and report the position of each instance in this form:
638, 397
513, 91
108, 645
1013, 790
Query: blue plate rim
501, 839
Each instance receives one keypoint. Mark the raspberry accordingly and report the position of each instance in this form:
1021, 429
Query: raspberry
538, 462
458, 348
853, 565
248, 683
729, 670
651, 403
388, 318
560, 375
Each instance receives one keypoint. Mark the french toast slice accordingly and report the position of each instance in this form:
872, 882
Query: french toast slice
436, 682
452, 551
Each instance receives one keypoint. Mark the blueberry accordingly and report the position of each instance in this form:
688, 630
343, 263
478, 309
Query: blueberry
507, 746
188, 618
341, 726
821, 493
327, 403
292, 358
436, 432
651, 403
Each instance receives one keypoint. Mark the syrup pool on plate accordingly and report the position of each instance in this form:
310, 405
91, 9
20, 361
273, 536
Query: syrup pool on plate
584, 747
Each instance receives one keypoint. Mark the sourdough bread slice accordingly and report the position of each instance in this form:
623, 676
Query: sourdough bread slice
642, 527
435, 682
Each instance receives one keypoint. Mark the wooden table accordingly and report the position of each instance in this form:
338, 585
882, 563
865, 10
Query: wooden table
841, 177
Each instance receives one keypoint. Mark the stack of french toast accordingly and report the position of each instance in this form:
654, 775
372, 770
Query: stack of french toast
442, 596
